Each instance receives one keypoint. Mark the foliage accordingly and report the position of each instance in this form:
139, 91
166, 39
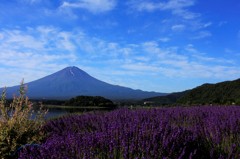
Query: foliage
221, 93
176, 133
169, 99
90, 101
224, 93
19, 125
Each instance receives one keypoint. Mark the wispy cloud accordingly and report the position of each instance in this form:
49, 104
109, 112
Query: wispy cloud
41, 48
177, 7
222, 23
232, 52
178, 27
30, 1
145, 5
207, 24
202, 34
47, 49
164, 39
190, 64
141, 67
179, 17
94, 6
188, 15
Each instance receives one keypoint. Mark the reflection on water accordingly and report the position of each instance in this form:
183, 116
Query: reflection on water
54, 112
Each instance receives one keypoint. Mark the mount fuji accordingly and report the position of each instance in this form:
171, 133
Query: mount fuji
72, 81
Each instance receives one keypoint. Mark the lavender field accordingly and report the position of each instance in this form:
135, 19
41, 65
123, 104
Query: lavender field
170, 133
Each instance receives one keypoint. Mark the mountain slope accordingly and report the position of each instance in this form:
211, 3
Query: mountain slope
227, 92
71, 82
167, 99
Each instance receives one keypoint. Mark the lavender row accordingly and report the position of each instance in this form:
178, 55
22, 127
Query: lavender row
195, 132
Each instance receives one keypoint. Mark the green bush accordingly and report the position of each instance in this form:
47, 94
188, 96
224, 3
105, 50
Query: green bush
19, 124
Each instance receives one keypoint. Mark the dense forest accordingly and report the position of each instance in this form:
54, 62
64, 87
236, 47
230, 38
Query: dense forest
170, 99
90, 101
223, 93
81, 101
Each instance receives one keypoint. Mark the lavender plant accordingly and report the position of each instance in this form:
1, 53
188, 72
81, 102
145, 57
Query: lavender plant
176, 133
18, 126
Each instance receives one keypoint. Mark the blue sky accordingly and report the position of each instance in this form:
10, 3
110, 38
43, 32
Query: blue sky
153, 45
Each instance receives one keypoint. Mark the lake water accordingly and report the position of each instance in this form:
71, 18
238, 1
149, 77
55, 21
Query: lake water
57, 111
54, 112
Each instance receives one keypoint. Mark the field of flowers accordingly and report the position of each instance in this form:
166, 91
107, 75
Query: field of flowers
170, 133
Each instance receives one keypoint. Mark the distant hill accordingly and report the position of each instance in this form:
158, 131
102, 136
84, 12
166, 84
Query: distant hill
227, 92
92, 101
169, 99
71, 82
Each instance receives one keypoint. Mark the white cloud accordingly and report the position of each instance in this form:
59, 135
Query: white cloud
185, 14
199, 56
207, 24
178, 27
35, 50
43, 50
183, 19
1, 36
202, 34
178, 4
142, 58
232, 52
30, 1
227, 50
164, 39
178, 7
190, 48
222, 23
94, 6
190, 64
198, 25
141, 67
152, 6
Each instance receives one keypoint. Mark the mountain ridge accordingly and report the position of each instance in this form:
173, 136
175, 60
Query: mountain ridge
72, 81
223, 93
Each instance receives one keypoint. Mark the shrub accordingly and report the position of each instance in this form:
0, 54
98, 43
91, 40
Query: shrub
19, 124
